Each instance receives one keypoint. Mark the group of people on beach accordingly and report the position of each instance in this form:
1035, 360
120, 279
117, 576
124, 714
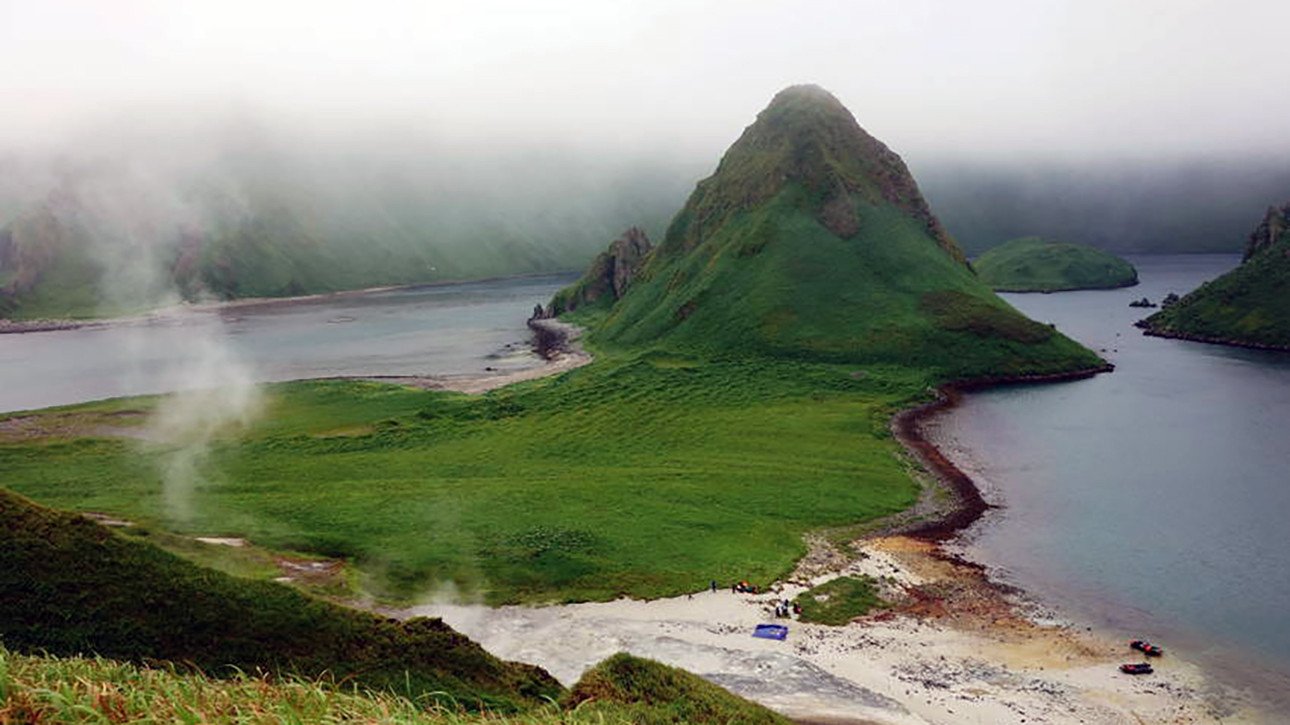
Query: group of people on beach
783, 608
786, 608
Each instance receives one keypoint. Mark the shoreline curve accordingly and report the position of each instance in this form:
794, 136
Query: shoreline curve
969, 505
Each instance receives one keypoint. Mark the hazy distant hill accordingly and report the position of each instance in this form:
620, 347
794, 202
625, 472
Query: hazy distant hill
100, 240
1156, 206
1033, 264
1248, 306
812, 240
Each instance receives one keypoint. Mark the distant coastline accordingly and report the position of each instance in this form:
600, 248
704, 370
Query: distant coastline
18, 327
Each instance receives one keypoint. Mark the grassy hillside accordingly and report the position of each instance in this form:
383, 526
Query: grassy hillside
99, 242
69, 586
1249, 305
1032, 264
622, 691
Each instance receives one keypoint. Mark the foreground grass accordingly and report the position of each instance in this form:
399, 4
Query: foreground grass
624, 689
645, 476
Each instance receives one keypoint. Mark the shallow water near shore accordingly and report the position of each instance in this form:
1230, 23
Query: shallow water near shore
449, 329
1151, 500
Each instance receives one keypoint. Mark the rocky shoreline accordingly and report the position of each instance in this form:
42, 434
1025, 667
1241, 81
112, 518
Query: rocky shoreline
1229, 342
969, 504
18, 327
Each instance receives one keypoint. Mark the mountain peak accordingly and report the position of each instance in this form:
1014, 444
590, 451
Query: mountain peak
806, 138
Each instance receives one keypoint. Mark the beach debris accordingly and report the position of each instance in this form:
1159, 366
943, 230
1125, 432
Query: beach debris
1146, 648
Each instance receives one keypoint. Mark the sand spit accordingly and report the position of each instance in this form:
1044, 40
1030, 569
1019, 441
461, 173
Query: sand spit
955, 648
560, 358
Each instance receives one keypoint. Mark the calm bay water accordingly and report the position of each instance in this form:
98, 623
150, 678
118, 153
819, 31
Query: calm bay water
1154, 499
438, 330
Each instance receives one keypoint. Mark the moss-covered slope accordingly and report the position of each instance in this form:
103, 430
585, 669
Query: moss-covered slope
69, 586
812, 241
1249, 306
1032, 264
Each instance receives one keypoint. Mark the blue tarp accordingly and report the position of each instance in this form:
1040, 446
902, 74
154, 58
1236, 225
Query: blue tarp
770, 631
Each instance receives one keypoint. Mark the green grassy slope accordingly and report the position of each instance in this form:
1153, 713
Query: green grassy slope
70, 586
623, 691
1032, 264
1249, 305
775, 282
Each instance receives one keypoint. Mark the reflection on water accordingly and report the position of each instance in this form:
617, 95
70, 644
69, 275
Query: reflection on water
442, 329
1153, 499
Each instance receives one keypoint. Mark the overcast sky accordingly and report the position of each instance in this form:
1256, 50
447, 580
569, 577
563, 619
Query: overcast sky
1127, 78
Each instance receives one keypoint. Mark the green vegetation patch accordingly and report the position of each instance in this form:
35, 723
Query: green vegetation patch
650, 693
1032, 264
839, 601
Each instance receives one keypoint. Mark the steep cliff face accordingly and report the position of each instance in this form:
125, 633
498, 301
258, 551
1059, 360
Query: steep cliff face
610, 275
812, 241
1249, 306
1274, 226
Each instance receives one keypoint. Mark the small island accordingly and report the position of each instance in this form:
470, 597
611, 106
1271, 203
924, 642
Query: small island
1247, 307
1034, 264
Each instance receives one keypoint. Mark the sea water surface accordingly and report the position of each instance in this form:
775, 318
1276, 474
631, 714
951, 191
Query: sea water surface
1155, 499
444, 329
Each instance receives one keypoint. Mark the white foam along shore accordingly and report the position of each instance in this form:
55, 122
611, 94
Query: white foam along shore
955, 651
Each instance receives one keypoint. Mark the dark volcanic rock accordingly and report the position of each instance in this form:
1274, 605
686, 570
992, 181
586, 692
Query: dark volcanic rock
610, 275
1275, 223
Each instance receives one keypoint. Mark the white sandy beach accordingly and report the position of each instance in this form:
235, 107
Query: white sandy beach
956, 651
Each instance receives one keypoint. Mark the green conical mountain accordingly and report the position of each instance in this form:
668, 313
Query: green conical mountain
1249, 306
812, 241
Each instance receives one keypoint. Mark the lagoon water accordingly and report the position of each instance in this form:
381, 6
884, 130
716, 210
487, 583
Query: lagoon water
1155, 499
432, 330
